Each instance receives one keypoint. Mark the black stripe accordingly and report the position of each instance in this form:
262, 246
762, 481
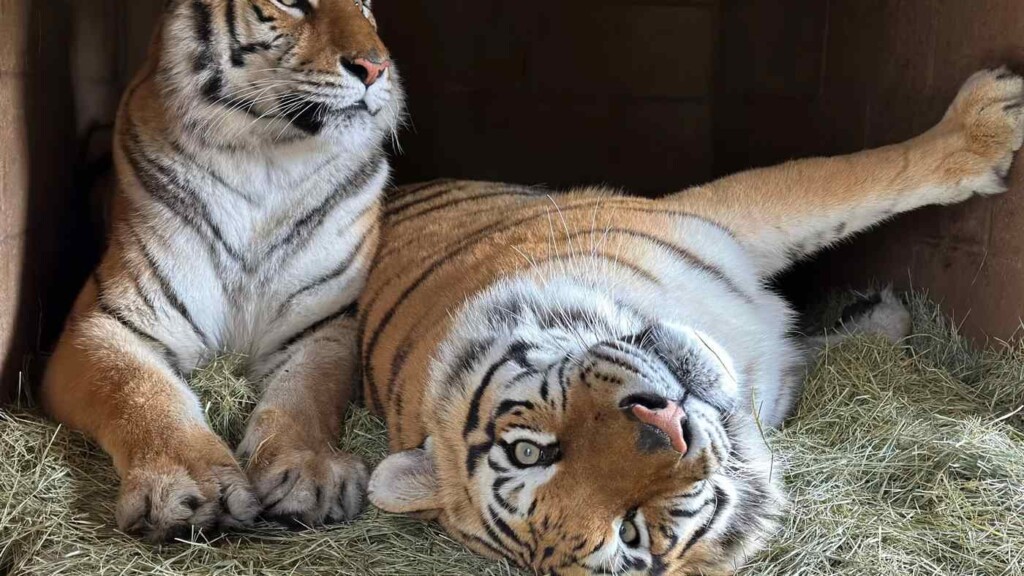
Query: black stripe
238, 49
474, 454
610, 258
398, 396
230, 15
347, 310
412, 198
497, 538
516, 353
168, 355
146, 299
545, 382
505, 504
205, 60
165, 287
309, 222
679, 252
171, 191
260, 15
684, 513
465, 361
504, 527
197, 166
202, 26
213, 86
721, 502
333, 274
616, 362
393, 221
477, 540
564, 384
507, 406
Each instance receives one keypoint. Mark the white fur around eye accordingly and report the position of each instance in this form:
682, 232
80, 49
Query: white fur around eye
523, 435
296, 7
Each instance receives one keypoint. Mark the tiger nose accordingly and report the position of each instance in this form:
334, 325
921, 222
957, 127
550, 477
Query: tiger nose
365, 69
664, 415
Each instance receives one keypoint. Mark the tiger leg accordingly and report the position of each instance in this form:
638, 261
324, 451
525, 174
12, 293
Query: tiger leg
107, 380
787, 212
292, 435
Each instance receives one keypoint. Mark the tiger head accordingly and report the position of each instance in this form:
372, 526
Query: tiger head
247, 73
573, 434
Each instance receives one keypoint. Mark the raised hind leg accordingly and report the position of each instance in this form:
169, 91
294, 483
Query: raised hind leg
790, 211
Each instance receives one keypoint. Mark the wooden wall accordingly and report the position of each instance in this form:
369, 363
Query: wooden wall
561, 93
803, 77
649, 95
63, 65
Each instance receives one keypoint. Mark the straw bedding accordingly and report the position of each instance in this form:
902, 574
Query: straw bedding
902, 461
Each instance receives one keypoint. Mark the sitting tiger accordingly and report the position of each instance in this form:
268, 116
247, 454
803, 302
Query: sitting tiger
580, 382
250, 169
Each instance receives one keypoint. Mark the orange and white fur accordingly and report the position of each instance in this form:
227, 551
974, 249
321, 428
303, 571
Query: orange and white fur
580, 382
250, 165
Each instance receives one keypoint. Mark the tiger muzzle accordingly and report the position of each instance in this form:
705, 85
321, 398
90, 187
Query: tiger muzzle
661, 420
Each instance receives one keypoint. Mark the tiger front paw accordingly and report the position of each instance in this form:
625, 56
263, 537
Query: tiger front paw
165, 497
988, 114
309, 488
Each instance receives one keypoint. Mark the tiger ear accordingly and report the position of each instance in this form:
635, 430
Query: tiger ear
406, 483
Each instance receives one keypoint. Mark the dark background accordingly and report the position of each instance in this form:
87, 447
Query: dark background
648, 95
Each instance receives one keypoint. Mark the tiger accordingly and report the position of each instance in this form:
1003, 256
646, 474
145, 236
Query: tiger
583, 382
250, 162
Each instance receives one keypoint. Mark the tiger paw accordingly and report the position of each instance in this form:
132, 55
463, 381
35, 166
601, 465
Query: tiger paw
168, 497
988, 113
310, 488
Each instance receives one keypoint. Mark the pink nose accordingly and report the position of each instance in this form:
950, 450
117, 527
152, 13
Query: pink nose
367, 70
669, 420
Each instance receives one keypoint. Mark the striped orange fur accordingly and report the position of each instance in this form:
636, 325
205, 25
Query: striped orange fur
578, 382
249, 159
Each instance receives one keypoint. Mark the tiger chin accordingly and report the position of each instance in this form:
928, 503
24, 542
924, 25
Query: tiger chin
582, 383
250, 166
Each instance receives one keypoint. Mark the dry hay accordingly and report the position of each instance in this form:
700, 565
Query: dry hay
902, 461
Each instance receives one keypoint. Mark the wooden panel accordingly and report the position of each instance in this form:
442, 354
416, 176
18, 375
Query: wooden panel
559, 93
889, 69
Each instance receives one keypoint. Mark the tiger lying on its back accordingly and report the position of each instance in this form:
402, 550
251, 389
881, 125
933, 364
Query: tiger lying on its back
578, 382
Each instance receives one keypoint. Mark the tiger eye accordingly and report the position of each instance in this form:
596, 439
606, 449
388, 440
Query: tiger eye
527, 453
629, 533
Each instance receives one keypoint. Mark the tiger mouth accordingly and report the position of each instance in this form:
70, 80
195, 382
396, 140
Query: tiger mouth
310, 116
